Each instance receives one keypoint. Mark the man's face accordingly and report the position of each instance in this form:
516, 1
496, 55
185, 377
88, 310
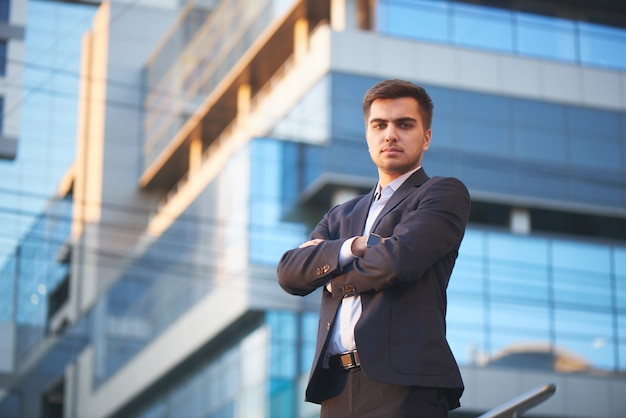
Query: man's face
396, 137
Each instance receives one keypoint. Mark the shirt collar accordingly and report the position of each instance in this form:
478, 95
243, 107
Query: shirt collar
395, 184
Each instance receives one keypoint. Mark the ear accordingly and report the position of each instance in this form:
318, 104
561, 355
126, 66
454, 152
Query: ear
427, 135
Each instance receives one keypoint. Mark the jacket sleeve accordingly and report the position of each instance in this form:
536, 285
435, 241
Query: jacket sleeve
302, 270
420, 233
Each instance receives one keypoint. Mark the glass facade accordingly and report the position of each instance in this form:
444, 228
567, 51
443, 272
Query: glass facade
255, 377
211, 48
8, 282
492, 29
36, 274
5, 10
174, 274
3, 58
535, 301
182, 266
552, 295
47, 110
569, 154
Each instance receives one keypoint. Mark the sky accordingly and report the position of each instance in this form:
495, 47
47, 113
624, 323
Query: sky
48, 116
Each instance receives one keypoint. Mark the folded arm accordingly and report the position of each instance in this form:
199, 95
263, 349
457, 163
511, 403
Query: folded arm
430, 232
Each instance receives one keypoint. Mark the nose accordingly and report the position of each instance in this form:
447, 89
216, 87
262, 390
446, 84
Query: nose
390, 134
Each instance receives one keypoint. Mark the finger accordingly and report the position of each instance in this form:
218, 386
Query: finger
311, 242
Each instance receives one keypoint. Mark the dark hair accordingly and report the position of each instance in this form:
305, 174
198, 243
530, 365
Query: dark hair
395, 89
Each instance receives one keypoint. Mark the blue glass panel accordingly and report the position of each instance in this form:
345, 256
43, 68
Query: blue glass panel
518, 268
494, 29
540, 145
546, 37
480, 173
595, 139
480, 27
466, 315
621, 347
3, 57
581, 274
516, 330
466, 330
468, 274
415, 19
283, 352
443, 99
268, 184
542, 180
5, 10
474, 135
483, 124
539, 114
443, 132
619, 256
601, 152
602, 45
597, 188
593, 121
439, 162
487, 107
308, 336
586, 257
7, 287
586, 334
347, 123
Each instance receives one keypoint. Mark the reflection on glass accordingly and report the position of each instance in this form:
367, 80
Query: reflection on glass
546, 37
602, 46
420, 19
482, 28
504, 31
547, 301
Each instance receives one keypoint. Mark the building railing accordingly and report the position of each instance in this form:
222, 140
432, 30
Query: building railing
517, 406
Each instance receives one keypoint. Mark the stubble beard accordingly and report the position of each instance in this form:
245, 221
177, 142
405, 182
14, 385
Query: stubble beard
397, 168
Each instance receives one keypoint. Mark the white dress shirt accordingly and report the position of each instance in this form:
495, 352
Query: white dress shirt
342, 334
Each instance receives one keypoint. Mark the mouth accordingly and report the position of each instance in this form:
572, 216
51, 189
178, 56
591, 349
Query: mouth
391, 150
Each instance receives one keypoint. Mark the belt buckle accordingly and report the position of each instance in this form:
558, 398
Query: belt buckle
350, 360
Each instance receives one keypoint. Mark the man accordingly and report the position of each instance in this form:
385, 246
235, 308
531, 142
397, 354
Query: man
384, 261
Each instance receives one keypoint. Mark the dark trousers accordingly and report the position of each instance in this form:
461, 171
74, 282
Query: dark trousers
365, 398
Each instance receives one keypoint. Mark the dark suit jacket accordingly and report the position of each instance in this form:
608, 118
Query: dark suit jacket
401, 335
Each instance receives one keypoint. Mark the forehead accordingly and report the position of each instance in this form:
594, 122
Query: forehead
390, 109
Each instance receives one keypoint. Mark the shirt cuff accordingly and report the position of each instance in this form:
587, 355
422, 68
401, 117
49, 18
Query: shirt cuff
345, 253
345, 257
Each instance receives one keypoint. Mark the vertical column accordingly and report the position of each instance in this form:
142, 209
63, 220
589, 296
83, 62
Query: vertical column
352, 14
244, 96
338, 15
365, 14
195, 150
519, 221
300, 38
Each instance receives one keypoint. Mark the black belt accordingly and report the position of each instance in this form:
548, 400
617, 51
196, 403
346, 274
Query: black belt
346, 361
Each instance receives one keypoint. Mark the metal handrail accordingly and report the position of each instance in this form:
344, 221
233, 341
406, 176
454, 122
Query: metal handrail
517, 406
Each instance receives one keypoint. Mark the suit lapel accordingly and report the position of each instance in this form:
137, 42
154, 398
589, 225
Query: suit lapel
405, 190
356, 222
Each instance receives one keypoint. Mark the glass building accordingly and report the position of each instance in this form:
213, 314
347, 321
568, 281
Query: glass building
12, 32
226, 130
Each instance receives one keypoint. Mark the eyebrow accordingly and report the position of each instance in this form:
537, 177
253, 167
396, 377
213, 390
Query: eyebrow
399, 120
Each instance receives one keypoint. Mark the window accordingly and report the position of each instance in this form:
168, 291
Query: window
5, 10
1, 115
3, 56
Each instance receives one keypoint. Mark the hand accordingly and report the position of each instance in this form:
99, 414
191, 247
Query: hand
359, 246
311, 242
